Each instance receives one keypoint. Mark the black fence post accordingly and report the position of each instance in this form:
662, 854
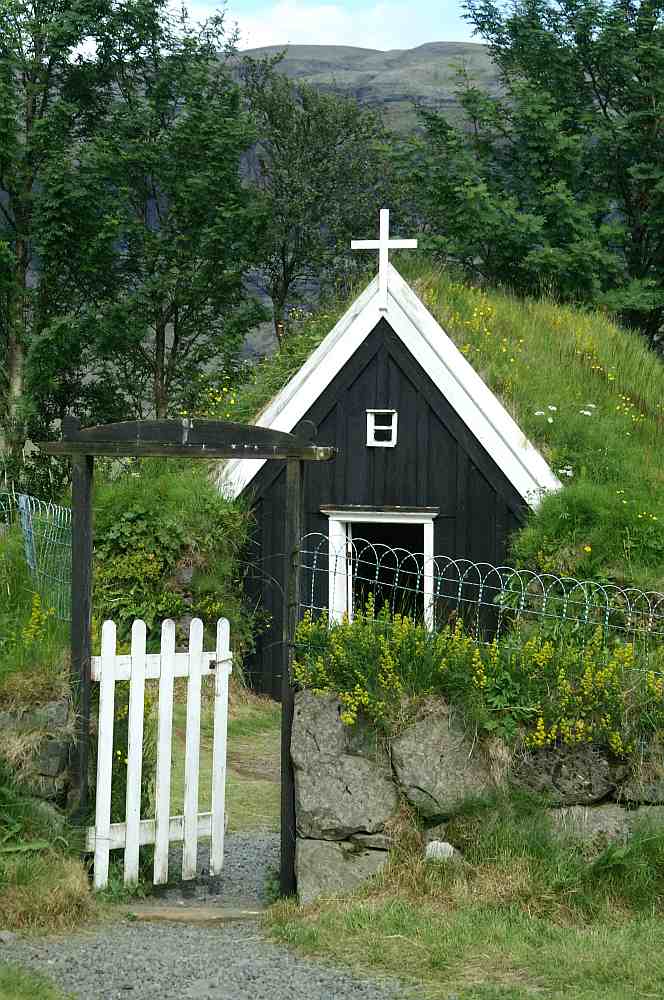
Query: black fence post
81, 615
294, 503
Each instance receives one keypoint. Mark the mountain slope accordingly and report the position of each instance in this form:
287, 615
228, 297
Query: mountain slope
392, 82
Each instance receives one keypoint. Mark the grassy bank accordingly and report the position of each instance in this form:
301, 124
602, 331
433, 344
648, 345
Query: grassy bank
483, 952
43, 884
525, 914
33, 643
590, 396
17, 984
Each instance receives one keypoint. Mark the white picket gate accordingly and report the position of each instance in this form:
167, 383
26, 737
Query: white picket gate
164, 829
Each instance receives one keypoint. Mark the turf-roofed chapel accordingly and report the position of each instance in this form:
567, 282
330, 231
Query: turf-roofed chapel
429, 459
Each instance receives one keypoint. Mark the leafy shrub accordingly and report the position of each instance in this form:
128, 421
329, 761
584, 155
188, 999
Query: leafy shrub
521, 687
153, 521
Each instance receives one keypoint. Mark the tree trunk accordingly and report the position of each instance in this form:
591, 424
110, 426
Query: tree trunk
15, 360
14, 432
279, 311
160, 392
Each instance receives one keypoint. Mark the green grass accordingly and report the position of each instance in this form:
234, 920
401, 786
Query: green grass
43, 884
526, 914
548, 363
33, 643
485, 952
252, 776
17, 984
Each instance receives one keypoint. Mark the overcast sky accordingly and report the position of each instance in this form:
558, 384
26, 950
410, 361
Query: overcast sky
391, 24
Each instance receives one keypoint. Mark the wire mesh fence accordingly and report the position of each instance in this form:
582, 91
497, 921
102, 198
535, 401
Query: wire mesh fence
46, 534
490, 600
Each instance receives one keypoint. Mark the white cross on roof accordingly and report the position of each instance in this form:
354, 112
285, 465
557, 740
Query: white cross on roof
383, 245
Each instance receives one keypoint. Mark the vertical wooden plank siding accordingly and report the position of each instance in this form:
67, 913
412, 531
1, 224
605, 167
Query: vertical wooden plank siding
222, 672
192, 751
135, 750
81, 613
294, 504
105, 754
164, 752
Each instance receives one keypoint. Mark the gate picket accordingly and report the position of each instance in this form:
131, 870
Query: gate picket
219, 749
135, 749
192, 751
164, 829
164, 754
105, 754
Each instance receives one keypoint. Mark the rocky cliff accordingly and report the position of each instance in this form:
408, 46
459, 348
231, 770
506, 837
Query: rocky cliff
393, 82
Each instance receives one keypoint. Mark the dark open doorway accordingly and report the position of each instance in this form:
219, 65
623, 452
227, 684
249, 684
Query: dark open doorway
388, 562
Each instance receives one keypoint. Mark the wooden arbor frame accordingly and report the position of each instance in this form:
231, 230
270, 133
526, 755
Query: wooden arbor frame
206, 439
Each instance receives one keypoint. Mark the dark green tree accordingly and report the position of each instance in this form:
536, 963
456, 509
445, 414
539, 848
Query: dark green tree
322, 167
149, 230
558, 183
60, 61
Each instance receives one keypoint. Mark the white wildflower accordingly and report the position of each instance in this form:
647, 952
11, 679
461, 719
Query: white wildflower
586, 413
539, 413
549, 420
553, 408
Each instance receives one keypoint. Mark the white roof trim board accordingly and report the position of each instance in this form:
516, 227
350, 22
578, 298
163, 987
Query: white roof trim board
423, 337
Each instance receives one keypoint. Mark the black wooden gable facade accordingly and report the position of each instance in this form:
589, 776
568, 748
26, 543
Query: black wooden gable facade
442, 457
437, 463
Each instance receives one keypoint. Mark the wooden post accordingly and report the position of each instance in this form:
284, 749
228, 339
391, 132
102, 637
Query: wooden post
81, 615
294, 504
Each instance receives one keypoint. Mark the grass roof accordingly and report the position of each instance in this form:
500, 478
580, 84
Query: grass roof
589, 395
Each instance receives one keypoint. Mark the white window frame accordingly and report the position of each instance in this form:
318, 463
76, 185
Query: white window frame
371, 428
340, 581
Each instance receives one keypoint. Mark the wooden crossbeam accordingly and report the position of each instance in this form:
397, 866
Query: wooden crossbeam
187, 438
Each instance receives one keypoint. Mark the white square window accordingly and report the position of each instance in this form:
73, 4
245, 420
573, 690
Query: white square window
382, 428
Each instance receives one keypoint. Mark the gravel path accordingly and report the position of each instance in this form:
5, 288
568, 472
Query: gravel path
251, 865
178, 962
165, 961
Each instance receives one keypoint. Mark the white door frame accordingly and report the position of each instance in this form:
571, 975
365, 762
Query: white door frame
340, 582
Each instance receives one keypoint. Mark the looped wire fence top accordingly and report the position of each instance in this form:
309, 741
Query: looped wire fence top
46, 531
489, 599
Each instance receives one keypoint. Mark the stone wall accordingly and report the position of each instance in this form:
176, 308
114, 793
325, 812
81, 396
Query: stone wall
37, 744
349, 787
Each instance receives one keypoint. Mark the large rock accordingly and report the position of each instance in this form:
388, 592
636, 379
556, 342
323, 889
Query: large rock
437, 766
323, 868
645, 785
602, 823
318, 729
336, 797
54, 717
568, 776
36, 743
53, 758
343, 785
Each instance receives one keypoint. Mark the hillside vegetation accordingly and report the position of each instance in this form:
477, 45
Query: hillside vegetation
590, 396
392, 82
